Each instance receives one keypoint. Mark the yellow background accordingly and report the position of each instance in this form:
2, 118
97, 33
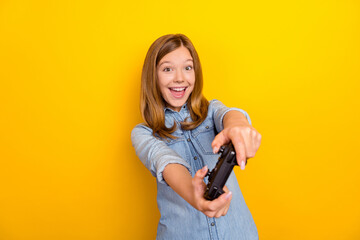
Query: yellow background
69, 97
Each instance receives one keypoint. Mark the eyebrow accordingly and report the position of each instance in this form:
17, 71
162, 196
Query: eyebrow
170, 62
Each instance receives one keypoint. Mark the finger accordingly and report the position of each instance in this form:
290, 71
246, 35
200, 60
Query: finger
254, 140
219, 140
226, 190
228, 203
240, 150
220, 202
219, 214
220, 208
258, 141
248, 136
225, 209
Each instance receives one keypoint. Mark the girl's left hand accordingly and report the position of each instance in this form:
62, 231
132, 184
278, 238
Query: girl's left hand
244, 137
215, 208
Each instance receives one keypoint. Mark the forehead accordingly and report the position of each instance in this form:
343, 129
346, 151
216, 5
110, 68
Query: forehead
179, 55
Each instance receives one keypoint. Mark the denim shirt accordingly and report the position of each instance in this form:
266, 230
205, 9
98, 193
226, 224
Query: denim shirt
192, 149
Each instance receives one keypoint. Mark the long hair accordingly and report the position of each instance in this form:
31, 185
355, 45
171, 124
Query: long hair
151, 101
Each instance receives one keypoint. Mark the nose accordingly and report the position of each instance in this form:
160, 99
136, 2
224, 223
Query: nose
179, 76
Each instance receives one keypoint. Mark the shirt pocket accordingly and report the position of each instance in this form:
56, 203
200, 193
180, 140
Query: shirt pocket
204, 135
178, 145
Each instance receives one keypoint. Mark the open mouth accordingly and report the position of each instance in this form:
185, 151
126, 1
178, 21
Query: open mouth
178, 92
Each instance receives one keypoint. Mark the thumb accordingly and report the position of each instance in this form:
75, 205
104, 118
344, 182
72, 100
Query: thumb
219, 140
199, 176
198, 180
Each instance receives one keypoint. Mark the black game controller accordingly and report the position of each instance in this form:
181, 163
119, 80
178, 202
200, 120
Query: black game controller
220, 174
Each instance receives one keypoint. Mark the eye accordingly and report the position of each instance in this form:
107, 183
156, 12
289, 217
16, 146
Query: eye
188, 68
167, 69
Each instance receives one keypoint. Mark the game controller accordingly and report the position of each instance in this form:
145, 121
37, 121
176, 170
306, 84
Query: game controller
221, 172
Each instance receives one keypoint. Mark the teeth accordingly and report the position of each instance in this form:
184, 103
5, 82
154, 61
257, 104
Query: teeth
178, 89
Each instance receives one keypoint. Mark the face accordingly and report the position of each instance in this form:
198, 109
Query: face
176, 77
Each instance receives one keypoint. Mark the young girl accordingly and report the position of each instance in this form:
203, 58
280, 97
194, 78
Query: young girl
179, 141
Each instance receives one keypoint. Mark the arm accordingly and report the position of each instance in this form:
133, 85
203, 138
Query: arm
193, 189
244, 137
154, 153
170, 168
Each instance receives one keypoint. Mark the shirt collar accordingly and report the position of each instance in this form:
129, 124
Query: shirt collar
183, 108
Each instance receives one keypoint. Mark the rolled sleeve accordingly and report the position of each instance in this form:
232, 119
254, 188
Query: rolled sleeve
219, 110
153, 152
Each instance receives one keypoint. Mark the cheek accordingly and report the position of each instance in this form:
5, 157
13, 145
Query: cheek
190, 77
193, 79
164, 79
163, 90
160, 84
161, 81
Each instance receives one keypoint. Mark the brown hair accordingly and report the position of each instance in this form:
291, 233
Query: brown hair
151, 101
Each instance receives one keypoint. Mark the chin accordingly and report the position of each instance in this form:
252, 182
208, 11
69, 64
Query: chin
176, 105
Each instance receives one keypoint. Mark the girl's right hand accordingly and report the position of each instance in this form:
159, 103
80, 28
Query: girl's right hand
215, 208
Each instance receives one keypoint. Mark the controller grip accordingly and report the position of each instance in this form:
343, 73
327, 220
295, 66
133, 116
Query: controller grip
220, 174
213, 193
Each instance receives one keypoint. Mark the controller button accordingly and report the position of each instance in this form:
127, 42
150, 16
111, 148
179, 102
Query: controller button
221, 150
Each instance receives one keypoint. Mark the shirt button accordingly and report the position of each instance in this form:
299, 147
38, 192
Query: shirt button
195, 157
212, 224
188, 139
207, 127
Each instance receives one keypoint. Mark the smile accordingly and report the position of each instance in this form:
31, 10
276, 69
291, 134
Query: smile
178, 92
178, 89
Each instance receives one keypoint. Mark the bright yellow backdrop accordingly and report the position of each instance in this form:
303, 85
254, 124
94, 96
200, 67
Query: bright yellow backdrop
69, 96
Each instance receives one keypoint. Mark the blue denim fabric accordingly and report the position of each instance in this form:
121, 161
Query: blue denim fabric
192, 149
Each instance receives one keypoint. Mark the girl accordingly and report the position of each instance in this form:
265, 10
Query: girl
179, 141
